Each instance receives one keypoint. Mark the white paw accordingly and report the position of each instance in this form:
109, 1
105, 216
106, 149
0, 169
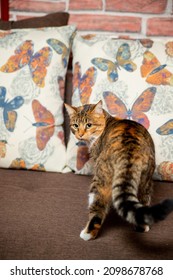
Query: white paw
146, 229
85, 236
91, 198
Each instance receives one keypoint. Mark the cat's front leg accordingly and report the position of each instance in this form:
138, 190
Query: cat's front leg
99, 203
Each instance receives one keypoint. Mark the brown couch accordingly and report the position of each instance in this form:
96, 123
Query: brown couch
42, 214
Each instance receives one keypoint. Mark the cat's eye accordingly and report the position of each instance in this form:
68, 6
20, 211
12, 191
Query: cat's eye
75, 126
88, 125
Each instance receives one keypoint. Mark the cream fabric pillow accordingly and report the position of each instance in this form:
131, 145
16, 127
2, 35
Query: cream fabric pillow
134, 78
33, 65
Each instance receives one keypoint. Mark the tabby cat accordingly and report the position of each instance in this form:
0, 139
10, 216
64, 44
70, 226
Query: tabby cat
124, 157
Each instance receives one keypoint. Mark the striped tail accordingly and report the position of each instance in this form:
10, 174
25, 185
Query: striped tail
152, 214
128, 206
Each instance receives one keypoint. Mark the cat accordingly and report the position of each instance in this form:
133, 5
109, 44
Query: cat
124, 156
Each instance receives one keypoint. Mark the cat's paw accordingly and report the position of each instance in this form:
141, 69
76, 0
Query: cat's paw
144, 228
85, 236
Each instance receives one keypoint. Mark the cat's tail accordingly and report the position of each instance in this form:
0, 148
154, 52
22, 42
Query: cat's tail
152, 214
129, 207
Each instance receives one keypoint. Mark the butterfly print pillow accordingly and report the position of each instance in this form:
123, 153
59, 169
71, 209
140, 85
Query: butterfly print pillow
33, 67
134, 79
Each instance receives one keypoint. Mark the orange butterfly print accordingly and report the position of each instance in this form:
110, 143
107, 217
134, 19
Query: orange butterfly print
154, 72
88, 36
45, 124
61, 136
4, 34
84, 83
137, 113
38, 62
38, 167
166, 128
147, 43
18, 163
169, 48
3, 148
61, 84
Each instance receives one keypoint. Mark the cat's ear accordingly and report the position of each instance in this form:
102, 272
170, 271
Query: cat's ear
98, 108
70, 110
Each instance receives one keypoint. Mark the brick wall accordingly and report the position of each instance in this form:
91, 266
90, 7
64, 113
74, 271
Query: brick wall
128, 18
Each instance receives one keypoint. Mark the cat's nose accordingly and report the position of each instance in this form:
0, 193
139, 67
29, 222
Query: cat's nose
81, 134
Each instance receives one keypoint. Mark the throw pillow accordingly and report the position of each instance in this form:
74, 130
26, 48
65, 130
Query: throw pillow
33, 65
50, 20
134, 78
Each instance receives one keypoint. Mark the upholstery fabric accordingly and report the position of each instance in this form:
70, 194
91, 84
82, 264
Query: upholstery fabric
42, 214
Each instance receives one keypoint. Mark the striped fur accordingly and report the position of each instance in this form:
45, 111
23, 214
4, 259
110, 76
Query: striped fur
124, 156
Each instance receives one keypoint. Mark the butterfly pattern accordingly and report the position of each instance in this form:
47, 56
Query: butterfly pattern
124, 67
9, 109
38, 167
165, 170
166, 128
155, 73
37, 62
61, 83
19, 163
116, 106
4, 34
82, 155
122, 61
146, 42
3, 148
83, 83
60, 48
169, 48
45, 124
33, 68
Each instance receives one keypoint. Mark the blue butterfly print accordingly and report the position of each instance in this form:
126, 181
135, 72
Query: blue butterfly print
9, 107
123, 60
60, 48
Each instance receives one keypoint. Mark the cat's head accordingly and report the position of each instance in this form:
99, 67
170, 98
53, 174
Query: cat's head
87, 122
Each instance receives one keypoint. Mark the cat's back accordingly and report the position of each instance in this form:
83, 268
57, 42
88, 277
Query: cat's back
125, 127
126, 134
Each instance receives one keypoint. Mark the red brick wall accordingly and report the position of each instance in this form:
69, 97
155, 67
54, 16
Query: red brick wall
135, 18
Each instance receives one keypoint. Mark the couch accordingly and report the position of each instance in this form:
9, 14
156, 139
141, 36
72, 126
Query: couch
42, 213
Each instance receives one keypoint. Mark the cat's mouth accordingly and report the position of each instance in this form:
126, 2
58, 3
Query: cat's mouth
81, 139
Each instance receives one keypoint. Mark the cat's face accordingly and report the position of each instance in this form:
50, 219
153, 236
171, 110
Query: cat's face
86, 122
